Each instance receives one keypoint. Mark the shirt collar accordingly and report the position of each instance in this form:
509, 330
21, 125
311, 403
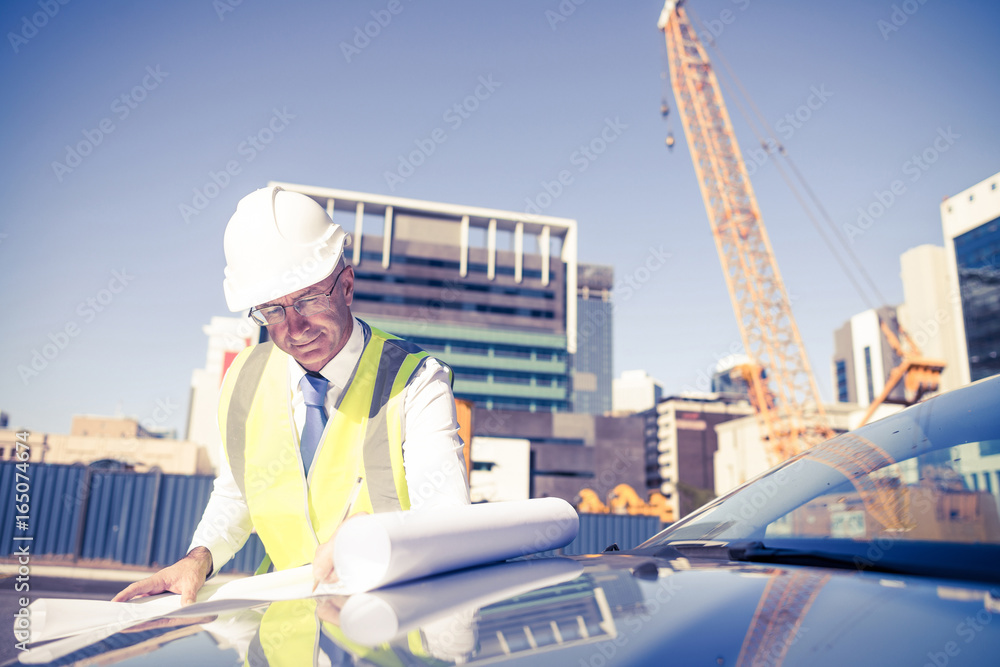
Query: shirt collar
338, 370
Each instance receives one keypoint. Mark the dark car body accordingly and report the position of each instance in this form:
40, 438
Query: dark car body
878, 547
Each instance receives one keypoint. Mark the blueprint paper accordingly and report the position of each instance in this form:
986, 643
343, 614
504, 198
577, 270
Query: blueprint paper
376, 550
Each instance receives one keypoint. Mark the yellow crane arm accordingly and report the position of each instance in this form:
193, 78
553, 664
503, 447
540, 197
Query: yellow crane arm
792, 418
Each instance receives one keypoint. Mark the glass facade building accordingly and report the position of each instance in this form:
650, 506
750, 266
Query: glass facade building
971, 224
977, 257
592, 367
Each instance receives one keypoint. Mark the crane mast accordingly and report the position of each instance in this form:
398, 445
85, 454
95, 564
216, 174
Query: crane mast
782, 388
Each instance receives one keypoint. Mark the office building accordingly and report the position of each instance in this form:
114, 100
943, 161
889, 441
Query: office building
635, 391
863, 358
592, 367
971, 222
491, 293
680, 451
930, 309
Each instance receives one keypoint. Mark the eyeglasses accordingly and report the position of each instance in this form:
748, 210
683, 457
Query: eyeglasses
307, 306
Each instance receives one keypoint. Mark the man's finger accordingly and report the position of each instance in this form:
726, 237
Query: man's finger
129, 592
147, 586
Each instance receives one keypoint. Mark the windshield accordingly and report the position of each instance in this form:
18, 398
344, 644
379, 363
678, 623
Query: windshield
930, 473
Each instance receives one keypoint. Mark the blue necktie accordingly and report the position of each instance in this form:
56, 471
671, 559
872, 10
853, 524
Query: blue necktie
314, 392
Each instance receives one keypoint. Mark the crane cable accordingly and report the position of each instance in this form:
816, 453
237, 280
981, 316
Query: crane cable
769, 132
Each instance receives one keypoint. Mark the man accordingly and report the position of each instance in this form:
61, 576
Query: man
331, 418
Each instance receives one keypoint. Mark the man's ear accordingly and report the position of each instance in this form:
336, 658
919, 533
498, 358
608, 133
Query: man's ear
347, 284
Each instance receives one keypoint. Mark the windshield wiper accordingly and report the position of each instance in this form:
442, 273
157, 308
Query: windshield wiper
757, 552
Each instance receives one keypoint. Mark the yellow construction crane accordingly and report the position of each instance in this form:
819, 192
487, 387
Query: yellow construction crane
782, 388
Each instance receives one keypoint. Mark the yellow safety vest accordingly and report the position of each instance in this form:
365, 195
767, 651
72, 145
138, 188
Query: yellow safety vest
291, 634
364, 436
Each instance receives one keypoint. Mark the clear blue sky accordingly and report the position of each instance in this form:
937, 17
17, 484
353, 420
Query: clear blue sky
208, 79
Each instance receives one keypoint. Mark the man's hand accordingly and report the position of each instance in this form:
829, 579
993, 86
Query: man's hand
323, 572
185, 577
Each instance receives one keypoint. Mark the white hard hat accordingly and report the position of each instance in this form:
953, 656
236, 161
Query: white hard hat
278, 242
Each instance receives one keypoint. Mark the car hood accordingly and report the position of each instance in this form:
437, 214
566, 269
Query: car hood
608, 609
690, 611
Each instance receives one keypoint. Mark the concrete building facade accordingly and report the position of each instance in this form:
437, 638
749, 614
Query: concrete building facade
971, 223
862, 356
929, 309
680, 452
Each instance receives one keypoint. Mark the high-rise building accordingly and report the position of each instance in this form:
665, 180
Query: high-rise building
491, 293
592, 367
971, 222
863, 358
929, 310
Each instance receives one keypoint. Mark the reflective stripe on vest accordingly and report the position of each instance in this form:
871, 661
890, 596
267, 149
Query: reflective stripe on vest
363, 438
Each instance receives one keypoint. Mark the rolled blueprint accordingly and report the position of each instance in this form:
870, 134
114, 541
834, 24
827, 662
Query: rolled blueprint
376, 550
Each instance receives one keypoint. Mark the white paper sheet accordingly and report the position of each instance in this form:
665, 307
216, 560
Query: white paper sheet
52, 618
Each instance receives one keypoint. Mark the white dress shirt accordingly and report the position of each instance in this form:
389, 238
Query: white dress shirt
432, 450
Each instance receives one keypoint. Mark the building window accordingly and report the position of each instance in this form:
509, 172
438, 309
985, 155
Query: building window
868, 374
842, 394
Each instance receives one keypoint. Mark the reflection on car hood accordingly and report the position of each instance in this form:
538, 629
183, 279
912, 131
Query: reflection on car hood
620, 609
